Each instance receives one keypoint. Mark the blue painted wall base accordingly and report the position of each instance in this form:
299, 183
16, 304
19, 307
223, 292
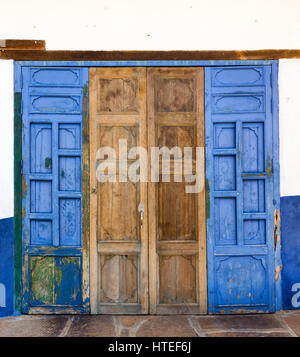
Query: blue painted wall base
6, 267
290, 253
290, 236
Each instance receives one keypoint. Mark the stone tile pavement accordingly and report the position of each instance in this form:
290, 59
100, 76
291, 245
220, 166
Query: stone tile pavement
281, 324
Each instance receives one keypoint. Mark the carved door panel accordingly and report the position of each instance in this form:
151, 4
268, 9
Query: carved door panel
119, 242
240, 173
177, 235
55, 254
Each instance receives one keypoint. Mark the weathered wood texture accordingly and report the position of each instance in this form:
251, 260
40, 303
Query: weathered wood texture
23, 45
119, 244
177, 240
22, 54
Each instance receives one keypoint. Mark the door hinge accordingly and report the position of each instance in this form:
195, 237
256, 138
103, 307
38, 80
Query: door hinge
21, 164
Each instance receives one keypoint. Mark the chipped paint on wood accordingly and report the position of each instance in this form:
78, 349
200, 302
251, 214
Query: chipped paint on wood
55, 281
207, 198
53, 247
239, 169
24, 187
42, 277
269, 168
85, 200
85, 210
17, 200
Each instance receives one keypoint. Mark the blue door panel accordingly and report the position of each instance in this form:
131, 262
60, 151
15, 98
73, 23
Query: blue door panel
69, 136
70, 222
239, 154
49, 77
52, 190
68, 281
40, 148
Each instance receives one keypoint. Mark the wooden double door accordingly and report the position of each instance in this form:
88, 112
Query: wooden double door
148, 235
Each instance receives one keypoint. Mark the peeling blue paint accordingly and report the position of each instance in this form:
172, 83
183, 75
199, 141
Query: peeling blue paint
76, 250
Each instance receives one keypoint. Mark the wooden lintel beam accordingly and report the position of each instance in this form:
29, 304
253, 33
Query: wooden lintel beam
15, 45
43, 55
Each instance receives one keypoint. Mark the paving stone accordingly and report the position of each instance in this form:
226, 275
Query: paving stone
166, 326
273, 325
46, 326
236, 322
92, 326
293, 321
124, 333
131, 321
248, 334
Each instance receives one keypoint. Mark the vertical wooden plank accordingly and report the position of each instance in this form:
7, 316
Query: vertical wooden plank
17, 198
93, 193
153, 259
142, 108
85, 196
118, 243
55, 188
25, 196
175, 102
276, 171
239, 183
208, 186
201, 228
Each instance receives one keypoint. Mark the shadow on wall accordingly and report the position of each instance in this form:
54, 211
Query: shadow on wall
290, 251
6, 266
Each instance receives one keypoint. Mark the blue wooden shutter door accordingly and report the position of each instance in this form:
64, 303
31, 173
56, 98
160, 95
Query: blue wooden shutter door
240, 206
52, 150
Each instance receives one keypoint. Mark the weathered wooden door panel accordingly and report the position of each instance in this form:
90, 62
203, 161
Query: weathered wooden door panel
119, 243
55, 270
177, 239
239, 154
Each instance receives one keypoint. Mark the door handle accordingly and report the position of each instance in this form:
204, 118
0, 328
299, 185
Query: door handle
141, 211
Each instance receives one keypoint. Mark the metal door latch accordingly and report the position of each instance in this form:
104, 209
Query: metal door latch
141, 211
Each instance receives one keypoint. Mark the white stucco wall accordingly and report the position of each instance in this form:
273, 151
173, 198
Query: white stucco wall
154, 24
289, 126
6, 139
157, 25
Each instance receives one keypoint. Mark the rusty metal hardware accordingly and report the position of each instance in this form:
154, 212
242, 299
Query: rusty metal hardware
278, 270
276, 228
277, 239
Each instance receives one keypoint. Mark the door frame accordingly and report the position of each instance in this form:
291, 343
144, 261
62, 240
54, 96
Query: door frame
18, 65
